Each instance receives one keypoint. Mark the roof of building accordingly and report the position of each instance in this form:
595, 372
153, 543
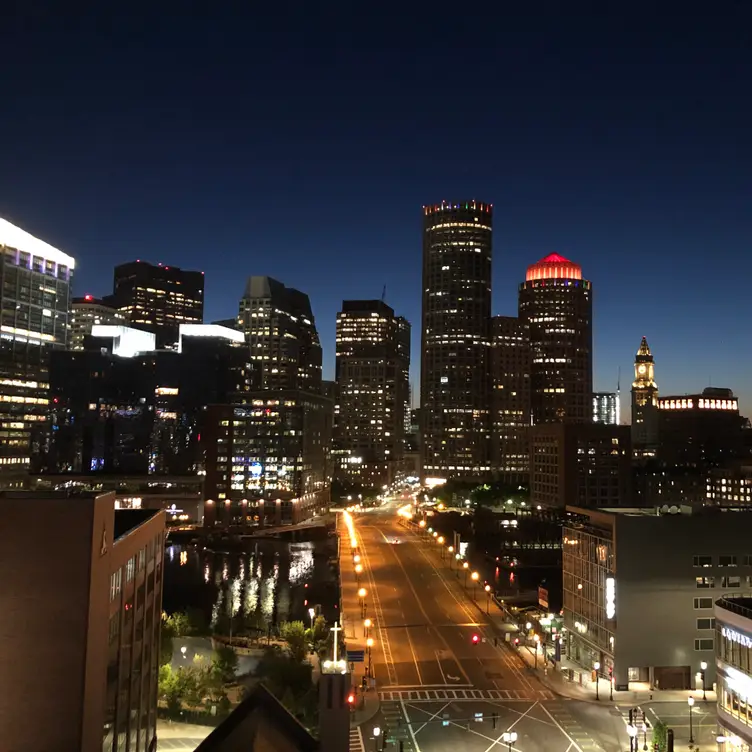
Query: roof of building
741, 605
644, 348
14, 237
274, 712
554, 266
127, 520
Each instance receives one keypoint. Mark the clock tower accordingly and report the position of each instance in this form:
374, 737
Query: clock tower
644, 404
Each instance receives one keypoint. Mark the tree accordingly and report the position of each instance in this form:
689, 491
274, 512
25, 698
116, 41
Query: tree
165, 645
318, 635
660, 736
170, 689
179, 624
294, 634
224, 664
280, 672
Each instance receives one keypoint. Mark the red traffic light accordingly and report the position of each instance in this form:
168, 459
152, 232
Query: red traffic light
351, 698
476, 639
516, 640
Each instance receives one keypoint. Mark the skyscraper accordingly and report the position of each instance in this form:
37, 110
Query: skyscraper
510, 379
372, 391
281, 332
557, 303
644, 404
456, 340
35, 302
606, 408
87, 312
158, 299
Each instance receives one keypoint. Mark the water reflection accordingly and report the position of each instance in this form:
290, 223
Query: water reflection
272, 583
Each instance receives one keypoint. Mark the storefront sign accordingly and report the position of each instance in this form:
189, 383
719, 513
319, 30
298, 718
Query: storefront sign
610, 597
734, 636
543, 597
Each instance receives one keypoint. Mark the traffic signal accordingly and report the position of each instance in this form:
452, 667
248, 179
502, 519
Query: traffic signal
351, 698
516, 641
476, 639
494, 717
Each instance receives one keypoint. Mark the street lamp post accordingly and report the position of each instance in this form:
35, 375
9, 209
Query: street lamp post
597, 668
632, 732
451, 556
690, 702
366, 627
369, 644
312, 614
376, 735
358, 571
362, 595
509, 737
466, 567
536, 640
475, 577
703, 669
487, 588
611, 684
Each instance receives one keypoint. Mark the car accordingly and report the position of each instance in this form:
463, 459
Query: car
395, 541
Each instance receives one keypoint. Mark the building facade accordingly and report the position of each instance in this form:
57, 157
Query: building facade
625, 570
456, 340
644, 404
372, 393
99, 573
35, 303
510, 401
606, 408
268, 462
733, 658
557, 304
588, 465
158, 299
141, 413
730, 486
87, 312
281, 332
699, 431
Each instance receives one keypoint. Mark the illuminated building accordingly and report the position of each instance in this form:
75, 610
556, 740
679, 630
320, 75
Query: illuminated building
281, 332
87, 312
510, 402
733, 662
730, 486
699, 431
122, 407
267, 462
158, 298
606, 408
372, 392
455, 390
35, 301
655, 572
644, 404
557, 304
76, 562
584, 463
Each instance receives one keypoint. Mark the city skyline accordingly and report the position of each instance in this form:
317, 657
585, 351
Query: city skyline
586, 161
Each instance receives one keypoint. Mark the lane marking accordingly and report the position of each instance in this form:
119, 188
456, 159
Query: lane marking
409, 726
563, 731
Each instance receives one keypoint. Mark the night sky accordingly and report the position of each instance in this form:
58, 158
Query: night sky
302, 145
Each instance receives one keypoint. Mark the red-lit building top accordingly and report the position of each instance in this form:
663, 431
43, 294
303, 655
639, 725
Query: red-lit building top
554, 266
453, 205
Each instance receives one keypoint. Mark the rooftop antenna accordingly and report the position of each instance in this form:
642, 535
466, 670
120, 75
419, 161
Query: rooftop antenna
618, 397
383, 294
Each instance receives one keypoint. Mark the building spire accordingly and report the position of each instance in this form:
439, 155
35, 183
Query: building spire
644, 349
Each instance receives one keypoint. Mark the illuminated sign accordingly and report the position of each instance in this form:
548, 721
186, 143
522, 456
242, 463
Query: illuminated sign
734, 636
610, 597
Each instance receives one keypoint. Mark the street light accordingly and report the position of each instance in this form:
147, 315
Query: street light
487, 588
366, 627
703, 668
632, 732
509, 737
474, 577
362, 595
451, 551
311, 613
376, 735
597, 668
358, 570
369, 644
690, 702
466, 567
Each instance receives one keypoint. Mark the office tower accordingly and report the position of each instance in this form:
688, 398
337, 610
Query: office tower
35, 302
117, 408
158, 299
585, 464
557, 303
455, 340
644, 404
267, 462
404, 334
83, 616
281, 332
372, 370
510, 402
606, 408
87, 312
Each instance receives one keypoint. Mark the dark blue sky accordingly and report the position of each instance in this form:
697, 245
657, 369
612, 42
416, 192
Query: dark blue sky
302, 144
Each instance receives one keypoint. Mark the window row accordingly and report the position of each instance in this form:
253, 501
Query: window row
727, 560
727, 581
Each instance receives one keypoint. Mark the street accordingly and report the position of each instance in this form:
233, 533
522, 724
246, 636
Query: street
442, 690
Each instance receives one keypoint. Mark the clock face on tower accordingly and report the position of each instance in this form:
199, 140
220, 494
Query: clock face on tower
641, 369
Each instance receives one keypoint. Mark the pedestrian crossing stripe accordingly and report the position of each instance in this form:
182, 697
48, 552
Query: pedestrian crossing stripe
463, 695
356, 740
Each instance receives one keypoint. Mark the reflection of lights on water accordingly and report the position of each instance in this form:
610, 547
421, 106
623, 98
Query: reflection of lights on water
268, 591
183, 558
207, 573
241, 570
301, 563
235, 600
225, 571
251, 596
171, 549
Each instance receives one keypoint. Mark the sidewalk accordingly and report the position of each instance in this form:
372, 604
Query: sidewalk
367, 703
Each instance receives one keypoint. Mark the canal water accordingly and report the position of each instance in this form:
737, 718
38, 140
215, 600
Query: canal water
269, 583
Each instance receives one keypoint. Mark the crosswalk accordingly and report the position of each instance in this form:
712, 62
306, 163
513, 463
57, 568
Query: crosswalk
464, 695
356, 740
396, 724
581, 737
